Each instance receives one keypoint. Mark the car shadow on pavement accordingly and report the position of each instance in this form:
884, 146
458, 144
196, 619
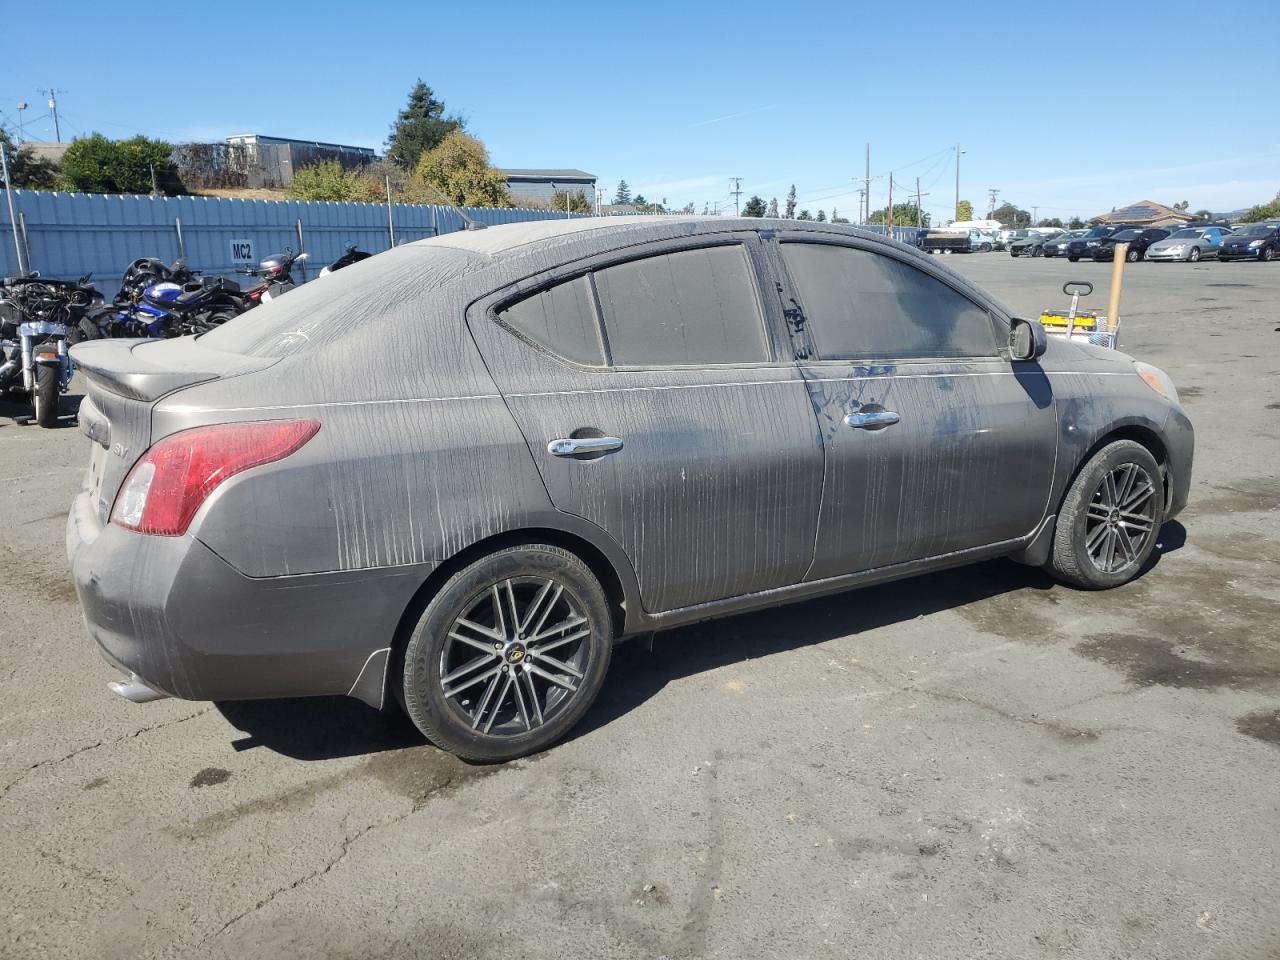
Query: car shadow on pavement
326, 728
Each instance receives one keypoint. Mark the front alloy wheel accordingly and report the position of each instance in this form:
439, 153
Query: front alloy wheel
509, 654
1110, 518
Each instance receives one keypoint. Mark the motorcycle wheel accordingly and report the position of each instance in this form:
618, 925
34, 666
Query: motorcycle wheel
45, 396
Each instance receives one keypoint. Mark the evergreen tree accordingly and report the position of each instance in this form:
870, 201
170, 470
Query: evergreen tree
772, 211
623, 194
791, 203
419, 127
804, 215
754, 208
822, 216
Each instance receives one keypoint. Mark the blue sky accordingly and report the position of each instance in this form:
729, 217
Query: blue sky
1057, 105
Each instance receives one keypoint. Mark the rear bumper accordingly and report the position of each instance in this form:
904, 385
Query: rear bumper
187, 624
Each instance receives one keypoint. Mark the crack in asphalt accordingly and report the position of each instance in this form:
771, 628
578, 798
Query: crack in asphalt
54, 761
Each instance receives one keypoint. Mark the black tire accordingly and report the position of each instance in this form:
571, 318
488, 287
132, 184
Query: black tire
1267, 254
45, 395
1037, 252
1194, 255
515, 574
1013, 253
1073, 259
1132, 255
985, 248
1072, 559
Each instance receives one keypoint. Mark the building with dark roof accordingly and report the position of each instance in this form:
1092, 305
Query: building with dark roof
539, 186
1145, 213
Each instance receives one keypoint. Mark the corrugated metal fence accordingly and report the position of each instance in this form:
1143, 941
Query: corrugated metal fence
67, 235
71, 234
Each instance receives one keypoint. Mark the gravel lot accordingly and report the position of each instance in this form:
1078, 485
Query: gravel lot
974, 764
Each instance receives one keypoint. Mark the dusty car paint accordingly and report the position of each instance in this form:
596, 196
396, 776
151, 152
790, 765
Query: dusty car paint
435, 419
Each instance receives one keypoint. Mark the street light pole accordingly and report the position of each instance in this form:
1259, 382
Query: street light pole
958, 152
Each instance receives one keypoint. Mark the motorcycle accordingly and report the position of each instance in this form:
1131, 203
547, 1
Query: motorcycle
130, 314
39, 320
279, 276
352, 255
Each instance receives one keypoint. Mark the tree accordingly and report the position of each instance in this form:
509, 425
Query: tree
904, 215
1010, 215
26, 170
327, 180
623, 193
791, 203
1263, 211
1051, 222
804, 215
754, 208
836, 218
575, 201
419, 127
1183, 206
94, 164
822, 216
964, 210
772, 210
459, 169
1204, 214
639, 200
1075, 224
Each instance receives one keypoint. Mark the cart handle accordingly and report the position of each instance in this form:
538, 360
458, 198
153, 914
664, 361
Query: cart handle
1080, 288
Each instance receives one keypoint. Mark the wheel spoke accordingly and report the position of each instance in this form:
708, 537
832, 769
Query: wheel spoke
552, 678
483, 631
560, 665
568, 623
523, 710
497, 704
1126, 546
499, 617
546, 645
1091, 542
511, 605
465, 669
534, 608
1136, 497
486, 646
546, 612
527, 679
1136, 521
1126, 482
488, 695
1098, 512
1110, 550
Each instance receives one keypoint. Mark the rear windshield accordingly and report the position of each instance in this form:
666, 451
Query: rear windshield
320, 312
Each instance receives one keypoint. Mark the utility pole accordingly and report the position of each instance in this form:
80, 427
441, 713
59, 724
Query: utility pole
1034, 217
23, 267
862, 206
736, 191
866, 188
919, 214
53, 108
958, 152
991, 202
888, 216
22, 105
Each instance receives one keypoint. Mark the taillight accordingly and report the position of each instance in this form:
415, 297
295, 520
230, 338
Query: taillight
167, 486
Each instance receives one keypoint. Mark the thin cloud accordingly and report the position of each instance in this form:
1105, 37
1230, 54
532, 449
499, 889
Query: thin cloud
733, 116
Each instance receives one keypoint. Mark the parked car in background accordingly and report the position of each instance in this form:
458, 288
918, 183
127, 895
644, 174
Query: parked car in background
1030, 243
1258, 241
982, 241
1083, 246
586, 430
1190, 244
1057, 246
1138, 241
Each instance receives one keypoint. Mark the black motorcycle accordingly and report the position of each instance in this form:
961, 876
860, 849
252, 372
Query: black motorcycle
39, 320
350, 256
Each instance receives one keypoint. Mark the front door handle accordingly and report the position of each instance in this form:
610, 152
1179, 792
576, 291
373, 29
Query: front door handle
584, 446
872, 421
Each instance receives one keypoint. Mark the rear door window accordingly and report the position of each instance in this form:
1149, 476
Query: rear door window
562, 319
687, 307
861, 305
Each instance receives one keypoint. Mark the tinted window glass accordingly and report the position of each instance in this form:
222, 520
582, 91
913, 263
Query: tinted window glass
864, 306
694, 306
561, 318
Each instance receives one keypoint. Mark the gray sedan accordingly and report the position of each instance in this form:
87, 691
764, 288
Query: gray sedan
451, 476
1189, 244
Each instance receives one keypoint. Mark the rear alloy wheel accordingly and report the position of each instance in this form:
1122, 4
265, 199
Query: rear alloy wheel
1110, 518
509, 655
1133, 255
1194, 256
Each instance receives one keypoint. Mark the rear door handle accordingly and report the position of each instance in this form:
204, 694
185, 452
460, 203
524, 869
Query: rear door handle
583, 446
872, 421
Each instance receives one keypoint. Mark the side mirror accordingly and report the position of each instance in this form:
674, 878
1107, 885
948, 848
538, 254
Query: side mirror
303, 256
1027, 339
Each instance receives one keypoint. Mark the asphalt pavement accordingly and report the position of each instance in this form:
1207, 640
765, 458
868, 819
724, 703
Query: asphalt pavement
978, 763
